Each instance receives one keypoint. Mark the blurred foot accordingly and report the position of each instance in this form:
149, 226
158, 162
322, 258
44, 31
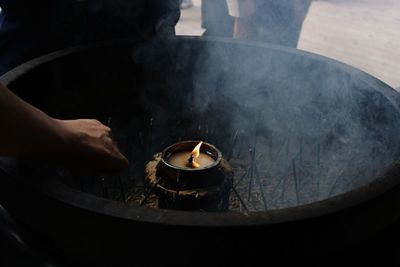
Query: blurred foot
186, 4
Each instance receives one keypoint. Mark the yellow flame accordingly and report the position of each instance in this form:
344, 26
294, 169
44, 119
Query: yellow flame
196, 150
195, 154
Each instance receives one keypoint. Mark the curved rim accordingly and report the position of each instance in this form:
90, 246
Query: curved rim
77, 199
168, 151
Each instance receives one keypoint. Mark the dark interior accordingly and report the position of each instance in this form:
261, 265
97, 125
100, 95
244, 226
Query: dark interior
307, 137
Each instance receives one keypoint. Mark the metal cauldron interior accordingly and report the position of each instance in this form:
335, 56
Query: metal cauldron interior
334, 125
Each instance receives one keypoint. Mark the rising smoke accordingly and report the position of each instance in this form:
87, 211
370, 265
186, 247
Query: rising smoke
336, 125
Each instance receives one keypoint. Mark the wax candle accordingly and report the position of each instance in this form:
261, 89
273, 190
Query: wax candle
181, 159
194, 159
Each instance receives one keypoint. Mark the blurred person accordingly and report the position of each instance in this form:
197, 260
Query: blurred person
271, 21
277, 22
81, 145
31, 28
215, 19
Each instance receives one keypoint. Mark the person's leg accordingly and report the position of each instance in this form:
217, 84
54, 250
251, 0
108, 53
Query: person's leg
280, 22
215, 18
300, 9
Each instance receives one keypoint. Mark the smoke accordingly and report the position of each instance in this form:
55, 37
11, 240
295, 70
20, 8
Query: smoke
318, 128
309, 101
337, 126
277, 22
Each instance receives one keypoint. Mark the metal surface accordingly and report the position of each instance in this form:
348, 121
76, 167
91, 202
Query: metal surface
293, 180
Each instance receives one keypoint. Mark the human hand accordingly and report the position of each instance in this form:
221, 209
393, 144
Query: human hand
89, 148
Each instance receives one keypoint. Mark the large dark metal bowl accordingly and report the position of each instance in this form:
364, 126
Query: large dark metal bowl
118, 79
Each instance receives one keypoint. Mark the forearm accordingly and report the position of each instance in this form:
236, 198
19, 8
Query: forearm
25, 130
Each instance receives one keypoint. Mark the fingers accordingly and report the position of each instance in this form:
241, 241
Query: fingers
91, 148
116, 160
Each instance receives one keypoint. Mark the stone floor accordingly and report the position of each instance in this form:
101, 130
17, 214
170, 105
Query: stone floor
361, 33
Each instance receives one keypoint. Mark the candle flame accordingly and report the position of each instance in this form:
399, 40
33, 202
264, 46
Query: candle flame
196, 150
195, 154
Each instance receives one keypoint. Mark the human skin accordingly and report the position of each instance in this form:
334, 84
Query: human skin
82, 145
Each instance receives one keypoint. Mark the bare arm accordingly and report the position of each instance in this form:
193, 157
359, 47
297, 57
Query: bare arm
25, 131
